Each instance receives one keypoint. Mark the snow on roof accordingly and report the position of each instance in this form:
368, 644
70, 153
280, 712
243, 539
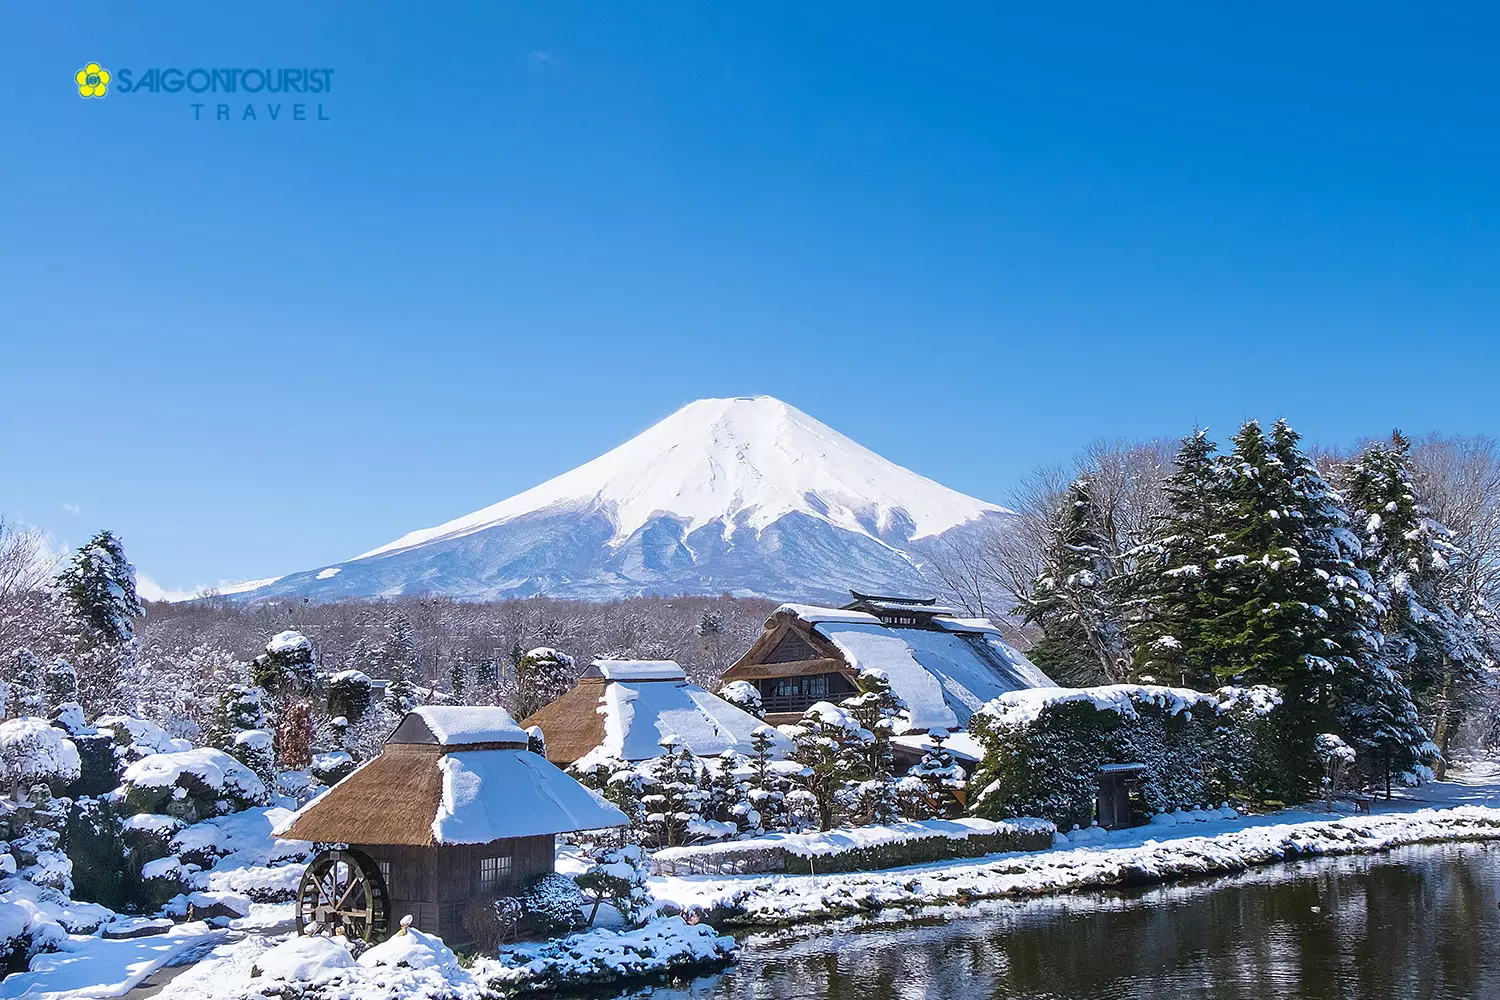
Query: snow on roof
813, 613
454, 725
489, 794
943, 677
640, 670
638, 716
961, 744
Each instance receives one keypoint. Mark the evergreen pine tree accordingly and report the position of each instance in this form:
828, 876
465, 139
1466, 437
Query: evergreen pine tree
100, 585
98, 605
25, 680
1177, 584
288, 668
1074, 600
830, 745
458, 679
767, 792
1296, 613
1428, 641
543, 675
932, 789
59, 686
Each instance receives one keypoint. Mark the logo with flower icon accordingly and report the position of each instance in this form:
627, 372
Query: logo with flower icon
92, 80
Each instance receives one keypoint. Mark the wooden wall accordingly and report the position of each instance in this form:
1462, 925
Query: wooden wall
433, 884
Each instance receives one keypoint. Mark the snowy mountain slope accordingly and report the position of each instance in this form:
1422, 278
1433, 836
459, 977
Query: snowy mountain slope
747, 495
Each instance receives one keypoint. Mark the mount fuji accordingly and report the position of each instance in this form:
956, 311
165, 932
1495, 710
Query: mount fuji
749, 496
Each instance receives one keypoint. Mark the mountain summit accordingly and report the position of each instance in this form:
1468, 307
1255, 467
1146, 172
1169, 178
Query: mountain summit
747, 495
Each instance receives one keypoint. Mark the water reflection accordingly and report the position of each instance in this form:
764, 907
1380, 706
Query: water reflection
1419, 923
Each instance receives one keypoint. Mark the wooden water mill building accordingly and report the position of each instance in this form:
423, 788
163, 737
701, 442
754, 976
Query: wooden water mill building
455, 808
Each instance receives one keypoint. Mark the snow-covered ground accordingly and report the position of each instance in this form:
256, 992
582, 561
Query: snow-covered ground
216, 963
1467, 807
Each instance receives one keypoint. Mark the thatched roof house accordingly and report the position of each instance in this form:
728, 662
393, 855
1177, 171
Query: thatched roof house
625, 708
454, 808
943, 666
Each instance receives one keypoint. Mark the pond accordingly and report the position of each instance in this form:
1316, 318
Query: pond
1420, 923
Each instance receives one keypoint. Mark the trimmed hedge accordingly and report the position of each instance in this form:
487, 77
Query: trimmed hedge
762, 857
1044, 749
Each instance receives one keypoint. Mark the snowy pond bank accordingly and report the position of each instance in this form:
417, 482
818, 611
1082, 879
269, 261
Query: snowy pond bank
1413, 922
1094, 859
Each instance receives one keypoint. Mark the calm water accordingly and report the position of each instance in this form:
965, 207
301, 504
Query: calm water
1418, 923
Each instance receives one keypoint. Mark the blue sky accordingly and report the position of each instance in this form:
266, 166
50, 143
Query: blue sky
971, 239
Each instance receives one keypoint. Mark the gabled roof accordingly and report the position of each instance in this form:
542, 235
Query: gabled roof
943, 673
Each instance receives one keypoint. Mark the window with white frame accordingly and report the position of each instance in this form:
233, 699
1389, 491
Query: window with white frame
493, 872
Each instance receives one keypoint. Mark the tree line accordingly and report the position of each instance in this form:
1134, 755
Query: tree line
1360, 584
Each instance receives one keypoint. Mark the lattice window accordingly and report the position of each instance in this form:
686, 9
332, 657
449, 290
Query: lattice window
493, 872
385, 873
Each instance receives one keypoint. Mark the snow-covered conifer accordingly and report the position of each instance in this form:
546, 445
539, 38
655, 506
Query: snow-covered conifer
933, 788
99, 584
288, 667
831, 747
543, 675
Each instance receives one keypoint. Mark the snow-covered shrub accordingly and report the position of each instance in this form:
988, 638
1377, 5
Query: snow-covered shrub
136, 738
411, 949
37, 824
255, 748
191, 785
1337, 757
1044, 748
618, 877
490, 922
33, 751
332, 767
552, 905
536, 740
288, 666
744, 696
303, 959
350, 693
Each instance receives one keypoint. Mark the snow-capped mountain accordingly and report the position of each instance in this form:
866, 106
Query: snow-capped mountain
745, 495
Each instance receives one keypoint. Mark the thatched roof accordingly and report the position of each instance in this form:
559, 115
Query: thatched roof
625, 708
422, 792
572, 725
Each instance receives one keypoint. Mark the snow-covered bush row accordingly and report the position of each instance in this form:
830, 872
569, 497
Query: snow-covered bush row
1043, 748
867, 848
777, 900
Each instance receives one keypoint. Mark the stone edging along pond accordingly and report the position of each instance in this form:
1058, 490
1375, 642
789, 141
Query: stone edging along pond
784, 900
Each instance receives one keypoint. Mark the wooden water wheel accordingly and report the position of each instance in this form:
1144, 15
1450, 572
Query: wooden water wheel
342, 890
